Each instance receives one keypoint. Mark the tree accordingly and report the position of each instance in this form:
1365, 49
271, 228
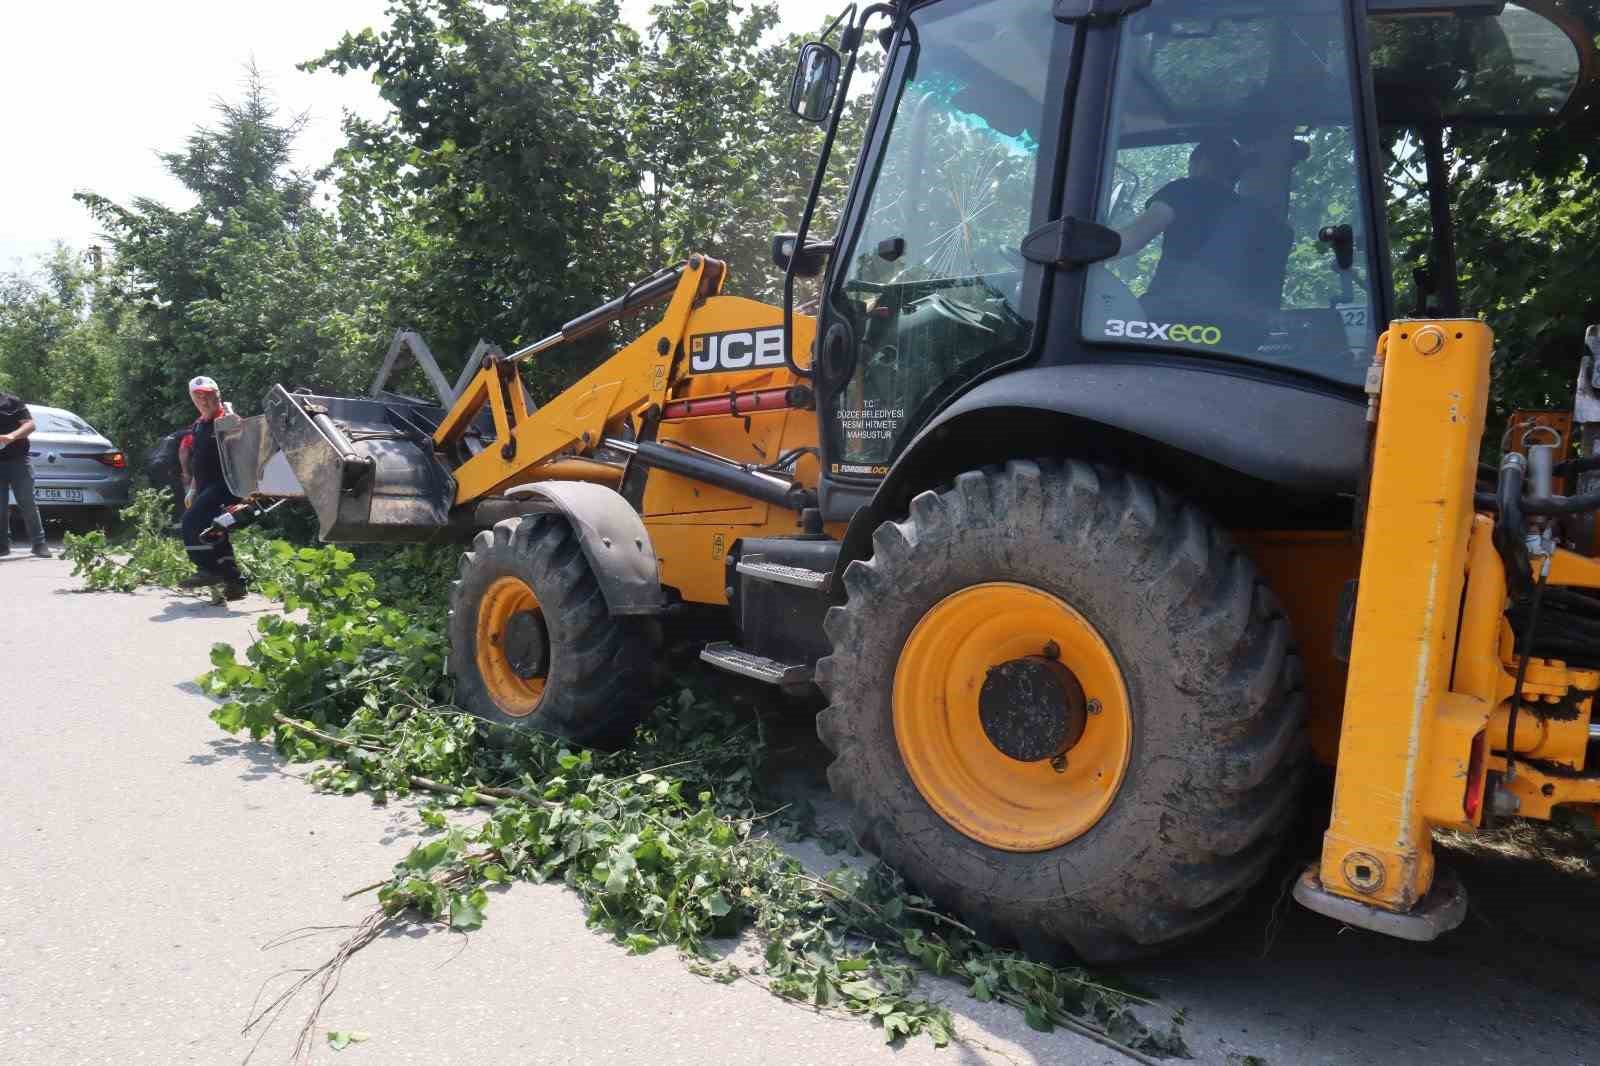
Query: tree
502, 158
1527, 205
539, 160
36, 315
253, 285
61, 336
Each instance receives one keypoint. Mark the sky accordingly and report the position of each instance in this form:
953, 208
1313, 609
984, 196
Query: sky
93, 89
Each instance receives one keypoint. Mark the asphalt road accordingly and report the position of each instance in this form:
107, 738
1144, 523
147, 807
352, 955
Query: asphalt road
147, 859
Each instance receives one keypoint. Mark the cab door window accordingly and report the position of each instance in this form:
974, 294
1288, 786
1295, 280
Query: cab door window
1233, 176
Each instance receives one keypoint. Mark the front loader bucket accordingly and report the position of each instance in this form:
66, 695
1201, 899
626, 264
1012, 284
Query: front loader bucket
367, 466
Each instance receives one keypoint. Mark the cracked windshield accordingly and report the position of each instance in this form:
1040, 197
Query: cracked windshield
933, 288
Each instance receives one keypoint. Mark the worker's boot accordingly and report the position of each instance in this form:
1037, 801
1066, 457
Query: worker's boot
202, 579
234, 590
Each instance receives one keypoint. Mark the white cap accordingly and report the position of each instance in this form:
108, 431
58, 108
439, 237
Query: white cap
203, 384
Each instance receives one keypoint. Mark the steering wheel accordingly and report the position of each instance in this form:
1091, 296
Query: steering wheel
962, 312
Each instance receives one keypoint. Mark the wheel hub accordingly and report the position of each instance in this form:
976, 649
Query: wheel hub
1032, 708
527, 645
512, 646
994, 687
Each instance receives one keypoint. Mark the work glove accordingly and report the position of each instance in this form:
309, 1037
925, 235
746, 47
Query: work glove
188, 499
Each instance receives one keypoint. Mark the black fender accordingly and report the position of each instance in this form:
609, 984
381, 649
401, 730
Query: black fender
611, 534
1242, 445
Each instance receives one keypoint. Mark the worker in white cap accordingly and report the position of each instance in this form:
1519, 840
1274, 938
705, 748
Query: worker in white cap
206, 494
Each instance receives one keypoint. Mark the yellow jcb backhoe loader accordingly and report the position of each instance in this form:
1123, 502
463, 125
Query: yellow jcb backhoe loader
1108, 487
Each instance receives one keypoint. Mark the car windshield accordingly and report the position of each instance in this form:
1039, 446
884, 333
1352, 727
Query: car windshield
61, 422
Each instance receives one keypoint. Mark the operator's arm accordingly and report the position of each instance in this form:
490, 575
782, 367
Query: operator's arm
1146, 228
22, 432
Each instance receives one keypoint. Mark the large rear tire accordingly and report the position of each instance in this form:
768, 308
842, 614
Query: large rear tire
532, 644
1134, 803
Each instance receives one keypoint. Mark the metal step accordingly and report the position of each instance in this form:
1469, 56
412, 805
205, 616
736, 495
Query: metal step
735, 660
756, 566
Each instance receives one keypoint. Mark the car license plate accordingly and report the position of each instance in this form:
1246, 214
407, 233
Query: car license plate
58, 495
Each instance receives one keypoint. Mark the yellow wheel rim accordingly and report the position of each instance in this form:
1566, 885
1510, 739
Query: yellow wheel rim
978, 789
514, 694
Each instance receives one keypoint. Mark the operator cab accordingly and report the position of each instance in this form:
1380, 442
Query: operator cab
1230, 191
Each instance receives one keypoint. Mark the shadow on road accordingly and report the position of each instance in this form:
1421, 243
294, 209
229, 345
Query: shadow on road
185, 608
260, 760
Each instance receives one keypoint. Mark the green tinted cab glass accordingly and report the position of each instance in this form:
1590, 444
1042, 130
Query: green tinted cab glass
932, 285
1232, 174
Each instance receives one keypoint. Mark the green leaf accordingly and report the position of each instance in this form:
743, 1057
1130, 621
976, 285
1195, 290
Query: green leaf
339, 1039
622, 865
861, 990
1037, 1019
466, 909
230, 717
718, 905
427, 856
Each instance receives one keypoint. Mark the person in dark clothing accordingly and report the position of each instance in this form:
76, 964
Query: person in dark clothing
207, 495
1187, 209
1217, 257
16, 474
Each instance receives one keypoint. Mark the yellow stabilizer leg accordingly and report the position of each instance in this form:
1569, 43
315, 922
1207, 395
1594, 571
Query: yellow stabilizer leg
1404, 730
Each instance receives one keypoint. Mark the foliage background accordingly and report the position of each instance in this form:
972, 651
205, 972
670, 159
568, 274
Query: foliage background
536, 158
539, 155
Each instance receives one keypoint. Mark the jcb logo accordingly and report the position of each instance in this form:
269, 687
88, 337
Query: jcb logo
1163, 331
751, 349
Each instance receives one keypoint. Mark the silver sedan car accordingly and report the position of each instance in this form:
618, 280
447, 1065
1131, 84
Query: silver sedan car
77, 473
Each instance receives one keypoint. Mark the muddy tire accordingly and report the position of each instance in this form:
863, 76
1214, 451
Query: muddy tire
532, 645
1214, 745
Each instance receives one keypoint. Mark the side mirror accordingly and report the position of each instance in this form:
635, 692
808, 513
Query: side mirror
816, 81
808, 264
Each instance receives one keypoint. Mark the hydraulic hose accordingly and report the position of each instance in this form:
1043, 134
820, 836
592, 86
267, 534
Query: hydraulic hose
1550, 506
1529, 632
1510, 536
1578, 466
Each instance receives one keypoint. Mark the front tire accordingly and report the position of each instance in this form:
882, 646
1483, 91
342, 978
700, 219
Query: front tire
1119, 830
532, 644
